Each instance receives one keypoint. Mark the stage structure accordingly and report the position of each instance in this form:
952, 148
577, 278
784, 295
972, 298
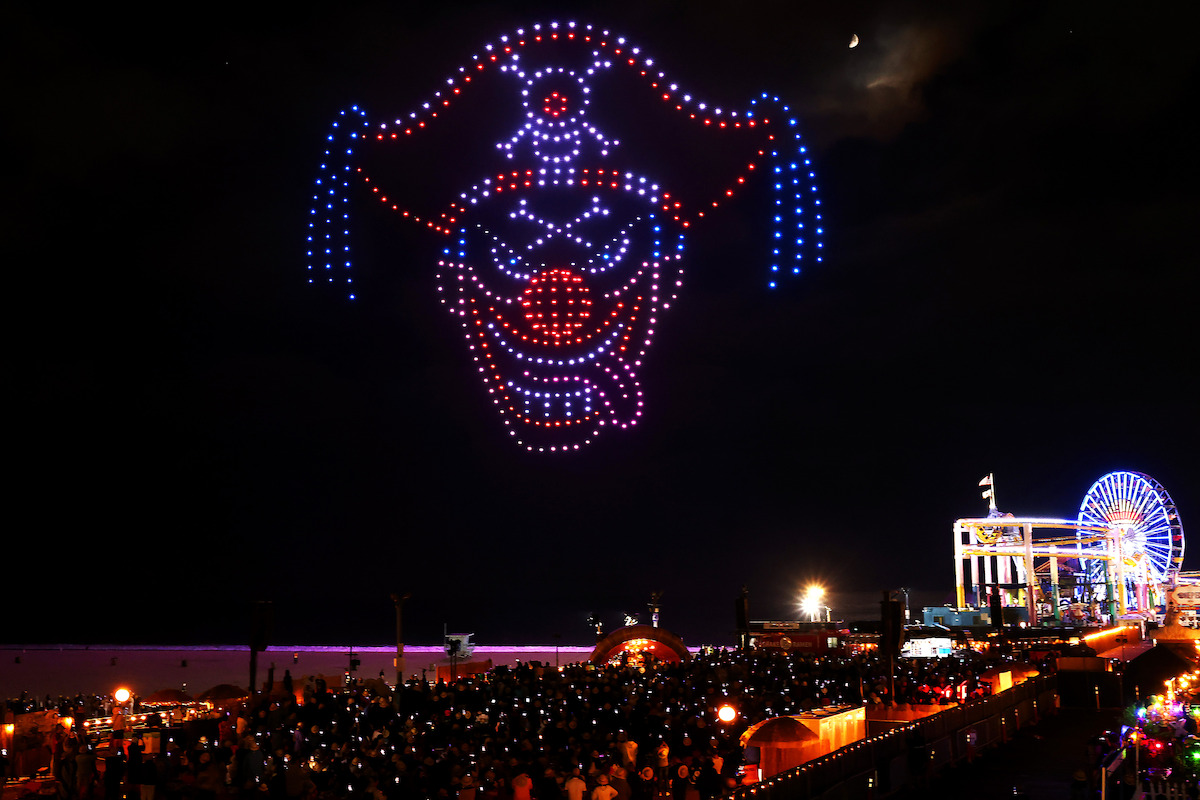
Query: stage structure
1124, 550
563, 244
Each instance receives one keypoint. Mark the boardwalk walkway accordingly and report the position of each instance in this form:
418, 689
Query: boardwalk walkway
1039, 761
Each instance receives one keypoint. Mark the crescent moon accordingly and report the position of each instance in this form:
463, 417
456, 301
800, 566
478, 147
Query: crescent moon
854, 40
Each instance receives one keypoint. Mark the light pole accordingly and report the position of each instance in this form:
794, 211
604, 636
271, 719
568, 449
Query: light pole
811, 603
398, 600
121, 696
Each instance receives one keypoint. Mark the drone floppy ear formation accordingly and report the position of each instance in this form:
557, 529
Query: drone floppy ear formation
564, 249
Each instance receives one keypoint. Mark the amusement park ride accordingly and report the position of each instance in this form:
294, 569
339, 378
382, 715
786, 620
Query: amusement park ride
1124, 551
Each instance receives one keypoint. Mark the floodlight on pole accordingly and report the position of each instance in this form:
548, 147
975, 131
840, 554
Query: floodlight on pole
811, 603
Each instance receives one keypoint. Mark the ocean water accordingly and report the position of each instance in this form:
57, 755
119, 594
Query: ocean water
55, 670
69, 669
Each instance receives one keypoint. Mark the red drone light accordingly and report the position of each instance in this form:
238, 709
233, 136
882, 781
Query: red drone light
557, 305
554, 105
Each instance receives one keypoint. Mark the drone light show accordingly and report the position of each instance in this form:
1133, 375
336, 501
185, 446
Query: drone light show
561, 256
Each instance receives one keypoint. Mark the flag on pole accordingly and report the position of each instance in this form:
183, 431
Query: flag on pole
986, 481
987, 495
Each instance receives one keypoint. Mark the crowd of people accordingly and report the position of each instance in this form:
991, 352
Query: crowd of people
530, 732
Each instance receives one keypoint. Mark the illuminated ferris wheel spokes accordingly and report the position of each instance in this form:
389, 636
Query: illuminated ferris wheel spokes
1151, 535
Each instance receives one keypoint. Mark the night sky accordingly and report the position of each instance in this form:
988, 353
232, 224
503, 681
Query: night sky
1009, 286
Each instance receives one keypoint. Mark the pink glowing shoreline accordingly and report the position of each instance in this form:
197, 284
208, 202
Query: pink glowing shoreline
69, 669
98, 669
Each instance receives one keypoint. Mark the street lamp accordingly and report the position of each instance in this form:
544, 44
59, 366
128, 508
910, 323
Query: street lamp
726, 713
398, 600
811, 603
6, 743
121, 696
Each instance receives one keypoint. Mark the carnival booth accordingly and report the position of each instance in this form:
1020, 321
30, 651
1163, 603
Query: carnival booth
789, 741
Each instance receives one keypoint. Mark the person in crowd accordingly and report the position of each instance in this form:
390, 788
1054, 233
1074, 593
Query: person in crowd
620, 784
114, 774
603, 790
482, 737
575, 786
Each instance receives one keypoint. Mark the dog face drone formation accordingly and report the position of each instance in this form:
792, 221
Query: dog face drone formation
560, 263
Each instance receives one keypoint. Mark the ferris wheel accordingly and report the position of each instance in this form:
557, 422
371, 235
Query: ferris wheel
1151, 533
